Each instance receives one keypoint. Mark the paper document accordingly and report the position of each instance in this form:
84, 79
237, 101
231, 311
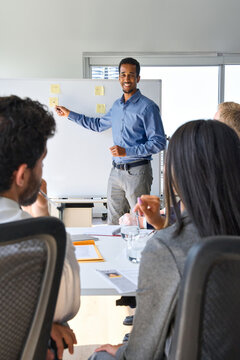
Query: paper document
55, 88
99, 90
131, 274
87, 251
81, 237
53, 101
104, 230
122, 284
101, 108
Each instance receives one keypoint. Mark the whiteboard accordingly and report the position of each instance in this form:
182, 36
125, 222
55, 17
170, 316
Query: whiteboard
78, 162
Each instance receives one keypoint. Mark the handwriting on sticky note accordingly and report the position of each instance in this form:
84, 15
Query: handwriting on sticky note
53, 101
101, 108
55, 88
99, 90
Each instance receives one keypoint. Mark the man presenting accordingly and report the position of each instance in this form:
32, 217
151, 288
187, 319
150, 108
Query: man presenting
137, 134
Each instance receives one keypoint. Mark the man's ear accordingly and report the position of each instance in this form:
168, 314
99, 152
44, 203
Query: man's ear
138, 79
20, 175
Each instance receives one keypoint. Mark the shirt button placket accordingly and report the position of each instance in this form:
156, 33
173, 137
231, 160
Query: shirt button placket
122, 127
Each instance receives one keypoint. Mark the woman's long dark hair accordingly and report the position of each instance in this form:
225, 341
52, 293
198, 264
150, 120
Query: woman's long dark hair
203, 168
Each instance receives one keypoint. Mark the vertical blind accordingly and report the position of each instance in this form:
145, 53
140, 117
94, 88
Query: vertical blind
104, 72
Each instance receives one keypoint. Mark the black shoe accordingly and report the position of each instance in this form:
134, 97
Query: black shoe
128, 320
127, 301
126, 338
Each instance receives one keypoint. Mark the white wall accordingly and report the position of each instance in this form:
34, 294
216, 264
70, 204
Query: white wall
47, 38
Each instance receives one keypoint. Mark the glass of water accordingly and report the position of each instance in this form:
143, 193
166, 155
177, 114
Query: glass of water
129, 230
129, 225
135, 246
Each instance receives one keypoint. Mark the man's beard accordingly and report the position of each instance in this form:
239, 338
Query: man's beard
128, 91
29, 196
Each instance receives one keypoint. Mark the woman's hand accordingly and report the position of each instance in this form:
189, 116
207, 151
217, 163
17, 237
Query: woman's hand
111, 349
149, 206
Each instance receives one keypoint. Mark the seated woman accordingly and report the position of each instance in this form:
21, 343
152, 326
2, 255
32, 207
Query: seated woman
202, 169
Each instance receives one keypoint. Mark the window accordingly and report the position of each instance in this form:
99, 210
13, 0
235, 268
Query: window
232, 81
188, 92
104, 72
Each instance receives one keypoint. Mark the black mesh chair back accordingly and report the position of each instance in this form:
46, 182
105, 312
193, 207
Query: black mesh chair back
208, 314
31, 260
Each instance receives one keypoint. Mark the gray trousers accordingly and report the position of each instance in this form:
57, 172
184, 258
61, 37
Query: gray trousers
124, 187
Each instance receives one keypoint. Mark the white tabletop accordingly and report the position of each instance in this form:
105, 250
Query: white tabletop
113, 250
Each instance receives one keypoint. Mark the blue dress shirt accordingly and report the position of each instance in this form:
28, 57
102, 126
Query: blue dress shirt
136, 126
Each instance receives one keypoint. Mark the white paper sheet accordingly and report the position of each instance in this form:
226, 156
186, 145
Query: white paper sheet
122, 284
85, 252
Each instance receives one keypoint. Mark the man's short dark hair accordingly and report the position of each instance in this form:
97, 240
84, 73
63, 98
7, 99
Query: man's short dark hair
130, 61
25, 126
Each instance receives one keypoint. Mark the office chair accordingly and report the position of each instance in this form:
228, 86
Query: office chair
207, 323
31, 260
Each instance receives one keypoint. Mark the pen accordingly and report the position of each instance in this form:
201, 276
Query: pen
136, 213
116, 231
47, 198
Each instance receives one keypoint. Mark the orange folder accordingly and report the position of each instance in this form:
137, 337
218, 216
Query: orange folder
98, 256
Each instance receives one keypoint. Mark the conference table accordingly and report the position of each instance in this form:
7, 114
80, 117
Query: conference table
113, 250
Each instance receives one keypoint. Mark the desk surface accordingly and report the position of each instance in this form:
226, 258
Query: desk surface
112, 249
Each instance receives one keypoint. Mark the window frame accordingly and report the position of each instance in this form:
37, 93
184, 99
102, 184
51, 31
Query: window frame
166, 59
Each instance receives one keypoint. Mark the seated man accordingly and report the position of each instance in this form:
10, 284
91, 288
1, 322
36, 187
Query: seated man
25, 127
227, 105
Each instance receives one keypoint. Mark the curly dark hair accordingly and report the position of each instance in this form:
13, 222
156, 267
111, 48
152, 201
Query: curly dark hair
25, 127
130, 61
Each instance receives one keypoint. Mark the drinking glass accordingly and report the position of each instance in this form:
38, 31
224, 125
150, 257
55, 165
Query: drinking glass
135, 246
129, 231
129, 225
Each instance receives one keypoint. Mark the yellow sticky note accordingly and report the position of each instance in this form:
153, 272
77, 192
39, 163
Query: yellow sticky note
99, 90
101, 108
55, 89
53, 101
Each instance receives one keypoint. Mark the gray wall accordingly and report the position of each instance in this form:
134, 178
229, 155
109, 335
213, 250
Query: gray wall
47, 38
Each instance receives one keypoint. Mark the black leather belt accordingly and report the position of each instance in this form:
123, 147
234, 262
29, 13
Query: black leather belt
130, 165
